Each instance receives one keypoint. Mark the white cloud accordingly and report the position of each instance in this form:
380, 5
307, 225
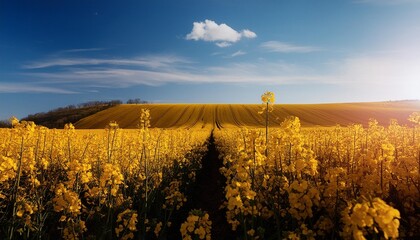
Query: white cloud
393, 74
281, 47
223, 44
248, 34
153, 62
30, 88
117, 76
238, 53
78, 50
222, 34
211, 31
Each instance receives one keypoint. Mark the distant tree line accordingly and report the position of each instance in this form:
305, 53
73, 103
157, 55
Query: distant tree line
58, 117
5, 124
136, 101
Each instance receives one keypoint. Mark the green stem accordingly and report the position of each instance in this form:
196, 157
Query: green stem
266, 130
16, 189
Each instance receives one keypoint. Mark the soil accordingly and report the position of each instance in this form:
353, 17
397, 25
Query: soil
208, 195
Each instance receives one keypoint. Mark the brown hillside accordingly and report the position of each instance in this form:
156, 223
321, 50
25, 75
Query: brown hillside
229, 115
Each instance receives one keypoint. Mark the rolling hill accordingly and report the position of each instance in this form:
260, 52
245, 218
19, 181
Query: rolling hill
237, 115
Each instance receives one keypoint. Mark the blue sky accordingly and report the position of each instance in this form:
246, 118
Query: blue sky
55, 53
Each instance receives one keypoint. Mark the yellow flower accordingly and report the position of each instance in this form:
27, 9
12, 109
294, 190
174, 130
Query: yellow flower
387, 218
144, 119
201, 232
268, 97
251, 232
132, 222
8, 167
414, 118
127, 220
119, 229
158, 228
113, 125
360, 215
197, 224
14, 121
66, 201
20, 213
371, 215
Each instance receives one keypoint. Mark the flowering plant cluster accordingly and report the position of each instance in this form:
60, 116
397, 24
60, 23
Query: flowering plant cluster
197, 226
357, 181
316, 182
111, 183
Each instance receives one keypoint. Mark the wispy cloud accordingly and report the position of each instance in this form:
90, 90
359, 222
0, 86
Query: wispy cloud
153, 62
282, 47
78, 50
119, 76
6, 87
222, 34
378, 72
238, 53
223, 44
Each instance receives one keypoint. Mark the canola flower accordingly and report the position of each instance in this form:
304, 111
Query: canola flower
77, 184
197, 226
127, 221
308, 184
315, 183
268, 97
375, 215
415, 118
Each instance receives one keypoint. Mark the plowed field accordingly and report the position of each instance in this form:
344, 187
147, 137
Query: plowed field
239, 115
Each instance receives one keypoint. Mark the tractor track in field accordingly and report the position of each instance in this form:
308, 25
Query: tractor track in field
197, 118
168, 115
235, 119
254, 116
178, 120
162, 116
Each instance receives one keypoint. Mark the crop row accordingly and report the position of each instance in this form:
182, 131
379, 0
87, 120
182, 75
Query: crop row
339, 182
106, 184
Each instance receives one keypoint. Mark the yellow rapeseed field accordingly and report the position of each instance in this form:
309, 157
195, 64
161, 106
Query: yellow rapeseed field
291, 172
245, 115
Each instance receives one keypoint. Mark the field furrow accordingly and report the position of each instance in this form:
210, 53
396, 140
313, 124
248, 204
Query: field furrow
246, 115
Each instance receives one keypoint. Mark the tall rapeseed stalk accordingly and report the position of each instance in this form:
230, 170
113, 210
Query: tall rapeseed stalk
268, 99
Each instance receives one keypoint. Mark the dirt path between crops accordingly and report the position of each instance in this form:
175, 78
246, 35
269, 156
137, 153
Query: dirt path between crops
208, 193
